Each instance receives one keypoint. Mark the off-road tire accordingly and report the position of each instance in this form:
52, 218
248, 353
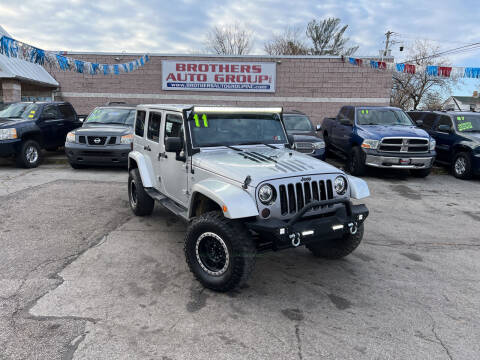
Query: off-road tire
140, 202
30, 154
241, 251
467, 172
356, 162
337, 248
421, 173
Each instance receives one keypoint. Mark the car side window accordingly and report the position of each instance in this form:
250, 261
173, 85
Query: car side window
428, 121
342, 113
350, 114
173, 126
140, 123
444, 120
67, 112
153, 130
51, 112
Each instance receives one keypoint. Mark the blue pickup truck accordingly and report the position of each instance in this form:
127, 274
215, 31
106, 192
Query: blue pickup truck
381, 137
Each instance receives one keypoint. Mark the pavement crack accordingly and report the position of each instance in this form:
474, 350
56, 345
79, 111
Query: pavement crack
438, 338
299, 342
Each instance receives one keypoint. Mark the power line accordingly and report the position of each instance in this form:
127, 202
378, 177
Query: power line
454, 51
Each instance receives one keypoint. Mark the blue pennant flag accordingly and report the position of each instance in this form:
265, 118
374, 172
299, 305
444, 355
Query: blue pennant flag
116, 70
374, 64
131, 66
137, 63
141, 61
93, 68
106, 69
37, 56
472, 72
351, 60
62, 62
147, 59
79, 64
8, 46
125, 67
432, 70
400, 67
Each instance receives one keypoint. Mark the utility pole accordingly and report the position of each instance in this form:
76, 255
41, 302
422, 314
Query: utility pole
387, 42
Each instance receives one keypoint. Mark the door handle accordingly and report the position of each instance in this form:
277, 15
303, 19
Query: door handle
147, 148
162, 155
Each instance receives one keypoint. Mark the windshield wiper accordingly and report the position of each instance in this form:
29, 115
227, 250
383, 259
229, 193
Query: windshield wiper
257, 143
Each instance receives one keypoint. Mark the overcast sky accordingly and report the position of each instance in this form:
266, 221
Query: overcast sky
180, 26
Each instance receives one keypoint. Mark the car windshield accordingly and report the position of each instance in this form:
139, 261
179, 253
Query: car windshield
236, 129
14, 110
297, 123
468, 123
111, 116
386, 117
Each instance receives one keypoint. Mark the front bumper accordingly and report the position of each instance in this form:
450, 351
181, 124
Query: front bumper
10, 147
301, 230
116, 155
399, 160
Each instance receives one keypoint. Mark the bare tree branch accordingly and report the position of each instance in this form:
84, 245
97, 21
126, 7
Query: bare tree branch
289, 42
328, 38
229, 40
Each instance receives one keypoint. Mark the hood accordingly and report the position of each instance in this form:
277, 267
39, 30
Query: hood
261, 163
307, 137
8, 122
376, 132
104, 130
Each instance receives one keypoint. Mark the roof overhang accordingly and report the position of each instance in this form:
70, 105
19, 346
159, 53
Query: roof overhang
13, 68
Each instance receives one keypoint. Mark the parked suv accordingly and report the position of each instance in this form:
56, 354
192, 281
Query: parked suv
26, 128
104, 139
381, 137
231, 173
305, 135
457, 136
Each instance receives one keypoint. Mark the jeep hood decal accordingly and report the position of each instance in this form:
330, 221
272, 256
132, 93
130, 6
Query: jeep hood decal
261, 163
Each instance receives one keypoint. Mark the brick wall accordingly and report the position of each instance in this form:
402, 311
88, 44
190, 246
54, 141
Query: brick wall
307, 84
11, 90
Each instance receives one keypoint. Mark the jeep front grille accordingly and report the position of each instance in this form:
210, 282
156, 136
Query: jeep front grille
304, 147
404, 145
294, 196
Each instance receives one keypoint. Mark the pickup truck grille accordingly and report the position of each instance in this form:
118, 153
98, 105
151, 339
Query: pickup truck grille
294, 196
304, 147
404, 145
96, 140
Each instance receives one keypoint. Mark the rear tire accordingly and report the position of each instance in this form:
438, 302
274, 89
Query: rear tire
338, 248
462, 166
422, 173
219, 252
30, 155
356, 162
140, 202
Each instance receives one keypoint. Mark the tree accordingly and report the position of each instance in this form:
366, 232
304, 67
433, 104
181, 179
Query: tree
328, 38
229, 40
287, 43
410, 91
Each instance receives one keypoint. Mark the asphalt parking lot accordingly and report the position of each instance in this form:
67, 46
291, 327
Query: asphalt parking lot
81, 278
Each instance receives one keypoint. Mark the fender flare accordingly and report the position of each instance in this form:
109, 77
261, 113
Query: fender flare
144, 167
239, 204
358, 187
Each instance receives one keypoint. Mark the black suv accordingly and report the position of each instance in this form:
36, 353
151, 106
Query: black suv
457, 134
26, 128
306, 137
104, 139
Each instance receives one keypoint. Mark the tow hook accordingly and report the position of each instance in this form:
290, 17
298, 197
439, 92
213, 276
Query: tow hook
353, 228
295, 239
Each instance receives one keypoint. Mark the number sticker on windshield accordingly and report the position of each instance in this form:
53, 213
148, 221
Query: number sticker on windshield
197, 121
464, 126
364, 111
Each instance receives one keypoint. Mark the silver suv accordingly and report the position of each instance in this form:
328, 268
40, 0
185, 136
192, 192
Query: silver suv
231, 173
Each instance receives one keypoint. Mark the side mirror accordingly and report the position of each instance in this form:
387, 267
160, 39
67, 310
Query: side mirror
444, 128
318, 127
419, 122
173, 144
81, 118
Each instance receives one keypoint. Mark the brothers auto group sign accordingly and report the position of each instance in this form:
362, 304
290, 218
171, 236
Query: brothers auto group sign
218, 76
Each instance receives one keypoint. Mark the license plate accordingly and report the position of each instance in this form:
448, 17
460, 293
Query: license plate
405, 161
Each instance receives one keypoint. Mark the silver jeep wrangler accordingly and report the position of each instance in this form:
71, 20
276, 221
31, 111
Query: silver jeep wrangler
231, 173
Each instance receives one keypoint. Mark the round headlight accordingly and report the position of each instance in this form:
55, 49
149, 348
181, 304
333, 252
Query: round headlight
340, 185
266, 194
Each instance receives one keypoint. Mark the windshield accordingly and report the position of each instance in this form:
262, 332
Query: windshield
111, 116
236, 129
13, 110
386, 117
468, 123
297, 123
